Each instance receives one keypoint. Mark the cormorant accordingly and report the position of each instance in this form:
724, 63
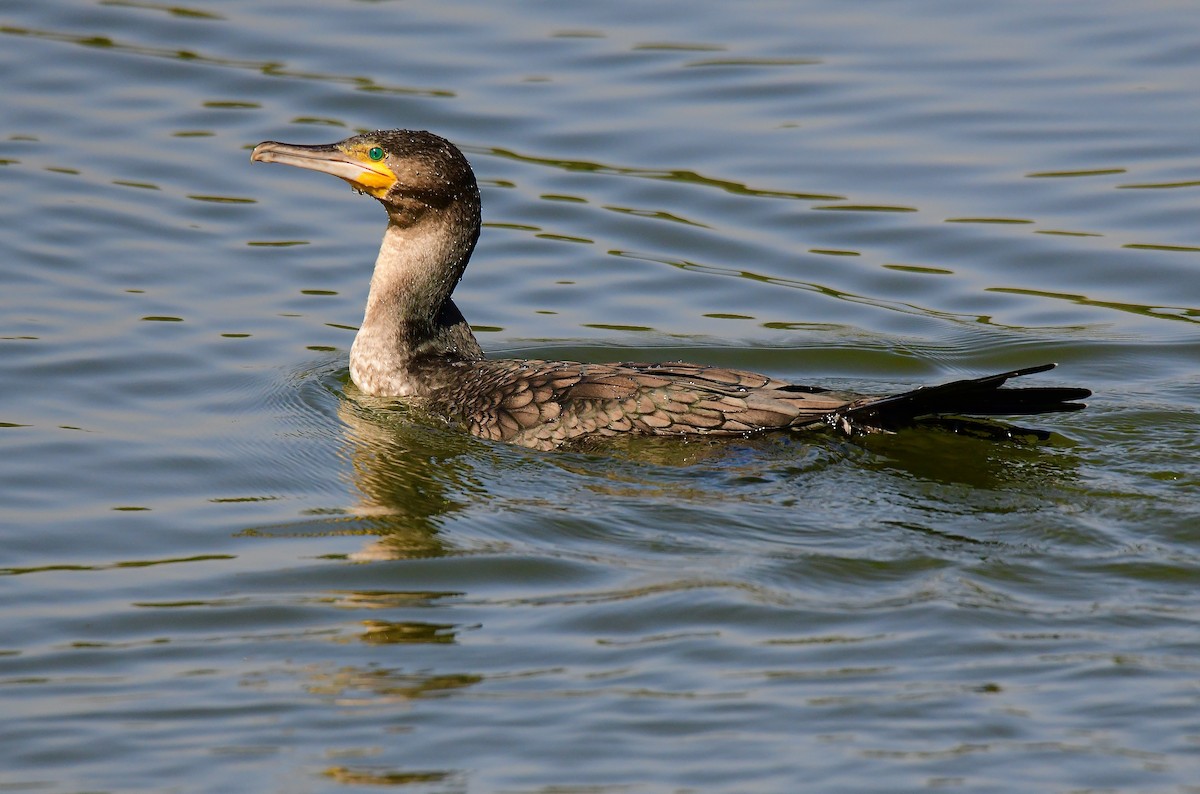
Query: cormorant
414, 342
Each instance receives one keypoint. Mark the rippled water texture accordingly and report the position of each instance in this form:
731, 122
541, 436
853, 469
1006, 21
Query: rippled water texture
222, 570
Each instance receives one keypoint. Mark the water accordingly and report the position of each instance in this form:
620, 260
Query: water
225, 572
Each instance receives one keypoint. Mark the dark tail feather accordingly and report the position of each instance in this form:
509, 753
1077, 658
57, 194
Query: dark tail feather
974, 397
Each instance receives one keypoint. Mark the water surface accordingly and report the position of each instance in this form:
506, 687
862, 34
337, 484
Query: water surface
224, 570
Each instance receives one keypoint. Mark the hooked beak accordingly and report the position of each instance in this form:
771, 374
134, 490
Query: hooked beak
371, 177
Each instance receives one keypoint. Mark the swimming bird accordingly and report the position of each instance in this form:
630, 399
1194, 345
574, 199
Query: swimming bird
414, 343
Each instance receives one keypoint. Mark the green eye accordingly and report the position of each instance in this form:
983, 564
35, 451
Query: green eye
375, 153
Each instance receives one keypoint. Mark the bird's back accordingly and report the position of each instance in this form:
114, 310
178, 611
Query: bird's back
543, 404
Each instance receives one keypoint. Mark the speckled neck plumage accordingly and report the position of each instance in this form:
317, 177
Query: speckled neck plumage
411, 321
414, 342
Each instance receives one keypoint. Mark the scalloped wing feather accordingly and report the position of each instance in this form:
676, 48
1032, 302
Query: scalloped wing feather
545, 404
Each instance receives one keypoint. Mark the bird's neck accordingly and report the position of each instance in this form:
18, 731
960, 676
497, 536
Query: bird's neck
410, 321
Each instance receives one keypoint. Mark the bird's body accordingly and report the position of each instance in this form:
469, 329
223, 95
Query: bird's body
414, 342
543, 403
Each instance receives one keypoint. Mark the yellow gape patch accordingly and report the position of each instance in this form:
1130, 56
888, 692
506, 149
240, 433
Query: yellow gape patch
376, 178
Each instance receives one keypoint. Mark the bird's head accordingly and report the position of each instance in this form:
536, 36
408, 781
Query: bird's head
405, 169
